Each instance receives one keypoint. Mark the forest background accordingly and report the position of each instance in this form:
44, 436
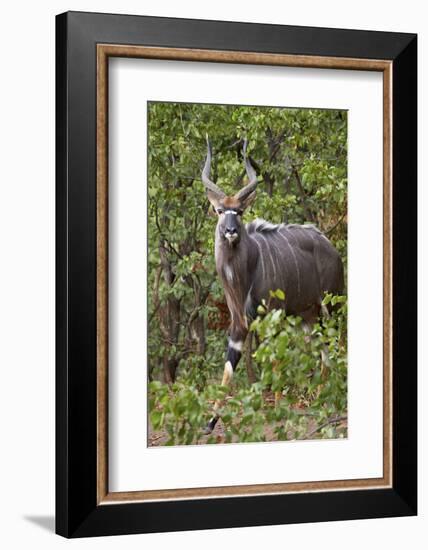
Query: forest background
300, 156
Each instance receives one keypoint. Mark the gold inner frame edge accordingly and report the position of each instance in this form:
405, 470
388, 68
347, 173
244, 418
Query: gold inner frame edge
104, 51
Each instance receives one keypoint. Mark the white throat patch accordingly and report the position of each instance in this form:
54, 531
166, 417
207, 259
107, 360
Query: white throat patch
231, 237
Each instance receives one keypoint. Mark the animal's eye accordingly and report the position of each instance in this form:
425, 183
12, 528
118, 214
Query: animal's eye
220, 210
239, 212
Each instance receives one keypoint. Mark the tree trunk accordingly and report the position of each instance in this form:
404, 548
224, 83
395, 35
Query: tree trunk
198, 333
308, 213
171, 322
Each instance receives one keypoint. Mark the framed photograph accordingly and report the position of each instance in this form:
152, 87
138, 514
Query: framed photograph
236, 274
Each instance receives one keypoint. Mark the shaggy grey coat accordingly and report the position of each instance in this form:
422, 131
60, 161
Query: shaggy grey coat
298, 259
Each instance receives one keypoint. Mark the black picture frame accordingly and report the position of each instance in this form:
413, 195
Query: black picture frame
77, 512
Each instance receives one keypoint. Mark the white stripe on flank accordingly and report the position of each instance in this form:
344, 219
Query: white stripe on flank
314, 228
236, 345
311, 235
295, 260
303, 229
261, 257
270, 256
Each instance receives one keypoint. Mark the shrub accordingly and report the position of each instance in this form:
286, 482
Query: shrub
305, 367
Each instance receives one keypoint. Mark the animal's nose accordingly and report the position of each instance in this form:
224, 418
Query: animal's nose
231, 230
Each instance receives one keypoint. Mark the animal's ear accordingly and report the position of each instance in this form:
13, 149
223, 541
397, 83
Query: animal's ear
214, 199
248, 201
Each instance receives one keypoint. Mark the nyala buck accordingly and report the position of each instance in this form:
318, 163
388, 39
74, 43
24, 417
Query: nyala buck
253, 259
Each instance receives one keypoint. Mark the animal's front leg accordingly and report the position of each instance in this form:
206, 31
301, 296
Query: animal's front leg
233, 355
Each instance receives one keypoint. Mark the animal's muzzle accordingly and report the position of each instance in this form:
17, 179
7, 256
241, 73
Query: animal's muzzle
231, 234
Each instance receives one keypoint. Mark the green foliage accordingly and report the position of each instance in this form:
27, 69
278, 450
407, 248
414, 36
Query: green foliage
306, 367
181, 410
301, 159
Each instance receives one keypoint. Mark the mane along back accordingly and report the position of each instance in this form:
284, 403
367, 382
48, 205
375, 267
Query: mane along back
259, 226
262, 226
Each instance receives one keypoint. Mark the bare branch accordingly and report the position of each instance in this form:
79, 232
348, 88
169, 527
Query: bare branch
308, 213
329, 231
335, 420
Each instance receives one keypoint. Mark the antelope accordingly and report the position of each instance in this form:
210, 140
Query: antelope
253, 259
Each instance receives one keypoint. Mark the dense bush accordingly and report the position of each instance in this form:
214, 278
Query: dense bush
300, 157
307, 367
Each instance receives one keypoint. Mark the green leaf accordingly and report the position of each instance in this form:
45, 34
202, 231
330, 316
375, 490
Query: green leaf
156, 418
327, 299
280, 294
